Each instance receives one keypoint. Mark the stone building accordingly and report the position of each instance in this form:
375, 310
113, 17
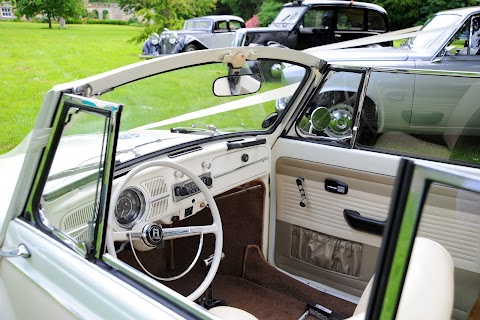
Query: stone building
107, 11
99, 10
7, 10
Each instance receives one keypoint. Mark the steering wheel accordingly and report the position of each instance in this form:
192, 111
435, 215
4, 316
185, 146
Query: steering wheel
173, 233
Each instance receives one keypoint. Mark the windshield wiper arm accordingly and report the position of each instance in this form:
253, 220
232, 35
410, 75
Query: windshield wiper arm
196, 128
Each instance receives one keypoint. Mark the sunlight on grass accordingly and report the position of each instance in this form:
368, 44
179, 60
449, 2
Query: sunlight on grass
35, 58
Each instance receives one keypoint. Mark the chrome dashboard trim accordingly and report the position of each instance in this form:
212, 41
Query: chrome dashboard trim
241, 167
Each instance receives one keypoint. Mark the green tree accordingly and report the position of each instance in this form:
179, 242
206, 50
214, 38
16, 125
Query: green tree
269, 11
160, 14
243, 8
408, 13
51, 9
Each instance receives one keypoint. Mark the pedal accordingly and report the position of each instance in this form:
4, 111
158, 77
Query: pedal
320, 312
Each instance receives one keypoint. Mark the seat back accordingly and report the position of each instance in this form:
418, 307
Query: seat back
428, 289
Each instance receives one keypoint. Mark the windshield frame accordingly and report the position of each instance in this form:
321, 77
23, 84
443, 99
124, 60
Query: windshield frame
289, 13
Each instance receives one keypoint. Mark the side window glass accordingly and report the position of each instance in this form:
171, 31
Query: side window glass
376, 21
221, 26
330, 111
350, 19
474, 42
234, 25
438, 118
318, 19
459, 44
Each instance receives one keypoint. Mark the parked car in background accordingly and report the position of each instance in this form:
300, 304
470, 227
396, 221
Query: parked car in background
208, 32
170, 189
433, 110
311, 23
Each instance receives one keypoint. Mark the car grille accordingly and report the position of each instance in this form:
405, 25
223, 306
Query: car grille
167, 48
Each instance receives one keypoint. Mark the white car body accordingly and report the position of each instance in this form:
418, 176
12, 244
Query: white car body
77, 269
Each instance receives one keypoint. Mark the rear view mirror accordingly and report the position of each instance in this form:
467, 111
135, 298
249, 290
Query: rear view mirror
236, 85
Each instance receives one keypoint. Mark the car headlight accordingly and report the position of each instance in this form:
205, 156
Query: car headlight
172, 38
276, 70
281, 103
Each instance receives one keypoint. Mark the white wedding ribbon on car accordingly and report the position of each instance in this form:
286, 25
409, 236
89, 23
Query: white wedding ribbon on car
229, 106
379, 38
290, 89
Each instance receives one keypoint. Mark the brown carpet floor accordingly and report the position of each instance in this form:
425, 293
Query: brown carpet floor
245, 279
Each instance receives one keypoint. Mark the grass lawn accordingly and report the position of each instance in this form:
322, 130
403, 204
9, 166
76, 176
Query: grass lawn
35, 58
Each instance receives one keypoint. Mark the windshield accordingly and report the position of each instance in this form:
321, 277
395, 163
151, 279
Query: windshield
433, 40
197, 102
288, 16
198, 24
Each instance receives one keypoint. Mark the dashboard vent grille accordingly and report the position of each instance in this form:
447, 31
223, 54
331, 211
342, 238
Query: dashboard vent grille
158, 194
75, 224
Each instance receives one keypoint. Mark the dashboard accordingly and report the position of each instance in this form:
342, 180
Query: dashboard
165, 195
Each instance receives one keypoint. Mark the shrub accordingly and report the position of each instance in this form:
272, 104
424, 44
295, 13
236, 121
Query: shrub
117, 22
73, 21
253, 22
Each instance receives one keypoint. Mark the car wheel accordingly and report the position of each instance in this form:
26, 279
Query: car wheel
190, 47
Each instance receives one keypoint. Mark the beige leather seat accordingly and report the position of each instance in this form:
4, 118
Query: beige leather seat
230, 313
428, 290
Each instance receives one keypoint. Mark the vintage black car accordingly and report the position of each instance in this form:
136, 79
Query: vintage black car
310, 23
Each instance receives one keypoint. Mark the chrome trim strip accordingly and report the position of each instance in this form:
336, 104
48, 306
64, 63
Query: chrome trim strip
461, 74
241, 167
160, 197
363, 93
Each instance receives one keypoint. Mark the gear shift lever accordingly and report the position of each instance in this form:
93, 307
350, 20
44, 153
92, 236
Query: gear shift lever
208, 301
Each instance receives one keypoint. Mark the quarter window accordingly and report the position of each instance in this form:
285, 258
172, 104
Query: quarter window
376, 21
330, 112
350, 19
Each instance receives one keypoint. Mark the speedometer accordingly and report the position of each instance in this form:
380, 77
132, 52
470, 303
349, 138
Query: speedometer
130, 207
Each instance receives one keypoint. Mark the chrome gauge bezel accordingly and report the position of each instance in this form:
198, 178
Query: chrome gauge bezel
138, 214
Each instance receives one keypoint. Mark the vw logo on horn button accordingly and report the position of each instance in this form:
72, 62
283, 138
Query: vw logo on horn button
152, 234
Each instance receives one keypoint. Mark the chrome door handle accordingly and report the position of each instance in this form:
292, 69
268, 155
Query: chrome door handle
21, 251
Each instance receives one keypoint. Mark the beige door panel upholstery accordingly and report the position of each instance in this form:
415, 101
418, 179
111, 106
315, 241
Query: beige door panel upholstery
450, 219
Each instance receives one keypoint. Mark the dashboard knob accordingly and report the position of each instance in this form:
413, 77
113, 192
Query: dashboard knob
181, 191
179, 174
207, 181
245, 157
206, 165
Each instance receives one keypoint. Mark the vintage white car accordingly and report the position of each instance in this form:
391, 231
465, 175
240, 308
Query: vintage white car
171, 189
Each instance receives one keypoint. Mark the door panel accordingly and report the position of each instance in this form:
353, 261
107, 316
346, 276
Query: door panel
450, 216
57, 283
